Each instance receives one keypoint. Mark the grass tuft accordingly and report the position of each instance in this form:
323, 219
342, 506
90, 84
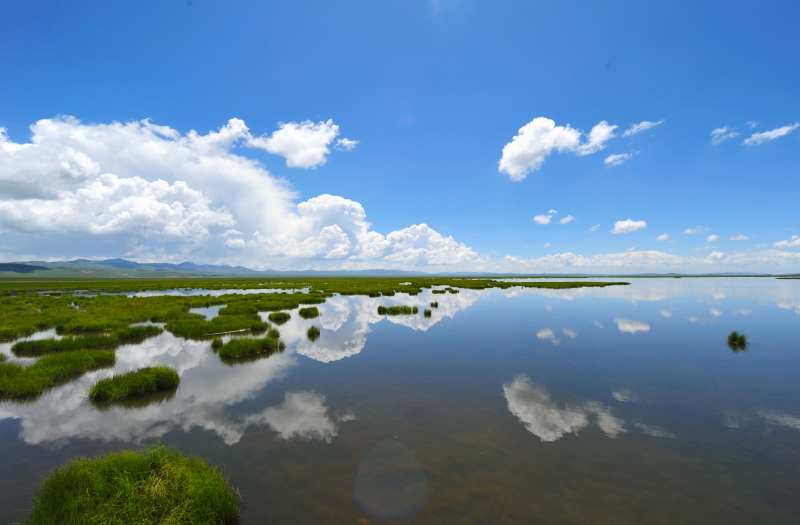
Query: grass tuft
737, 341
32, 380
156, 485
216, 343
435, 304
65, 344
427, 313
397, 310
309, 313
313, 333
136, 383
279, 317
246, 346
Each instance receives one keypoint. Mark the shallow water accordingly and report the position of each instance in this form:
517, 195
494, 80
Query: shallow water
614, 405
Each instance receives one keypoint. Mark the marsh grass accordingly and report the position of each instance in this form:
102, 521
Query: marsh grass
313, 333
247, 346
135, 383
737, 341
65, 344
156, 485
309, 313
200, 327
138, 333
279, 317
452, 290
439, 291
397, 310
435, 304
216, 343
136, 403
427, 313
32, 380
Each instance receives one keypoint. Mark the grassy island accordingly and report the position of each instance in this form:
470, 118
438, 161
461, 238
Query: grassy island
737, 341
246, 346
279, 317
309, 313
397, 310
156, 485
313, 333
134, 384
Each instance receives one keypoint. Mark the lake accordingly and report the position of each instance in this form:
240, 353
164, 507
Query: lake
593, 405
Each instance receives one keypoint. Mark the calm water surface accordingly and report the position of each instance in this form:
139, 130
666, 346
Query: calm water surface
615, 405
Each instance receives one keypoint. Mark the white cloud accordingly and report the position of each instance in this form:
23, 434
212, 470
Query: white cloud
546, 245
628, 226
537, 139
616, 160
548, 335
594, 228
663, 237
235, 243
739, 238
712, 238
791, 243
543, 219
716, 312
553, 212
303, 145
630, 326
722, 134
699, 229
625, 396
572, 334
759, 138
641, 126
653, 430
752, 124
568, 219
665, 313
346, 144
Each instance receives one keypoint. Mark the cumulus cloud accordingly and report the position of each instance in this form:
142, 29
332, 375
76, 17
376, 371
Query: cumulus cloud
720, 135
739, 238
346, 144
543, 219
759, 138
568, 219
641, 126
663, 237
303, 145
712, 238
169, 195
572, 334
628, 226
791, 243
537, 139
616, 160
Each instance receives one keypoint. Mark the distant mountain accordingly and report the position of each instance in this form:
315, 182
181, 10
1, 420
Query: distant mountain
123, 268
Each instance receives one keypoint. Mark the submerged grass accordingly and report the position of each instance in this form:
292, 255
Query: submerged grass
156, 485
309, 313
397, 310
32, 380
246, 346
313, 333
279, 317
135, 383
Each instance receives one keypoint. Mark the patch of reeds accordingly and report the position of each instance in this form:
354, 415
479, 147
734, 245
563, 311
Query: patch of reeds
247, 346
135, 383
32, 380
313, 333
737, 341
155, 485
65, 344
138, 332
427, 313
438, 291
279, 317
216, 343
435, 304
309, 313
397, 310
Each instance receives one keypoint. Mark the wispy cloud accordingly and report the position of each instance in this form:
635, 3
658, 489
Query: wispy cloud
699, 229
712, 238
616, 160
765, 136
641, 126
594, 228
568, 219
720, 135
663, 237
739, 238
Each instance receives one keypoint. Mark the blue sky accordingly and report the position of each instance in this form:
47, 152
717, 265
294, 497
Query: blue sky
432, 91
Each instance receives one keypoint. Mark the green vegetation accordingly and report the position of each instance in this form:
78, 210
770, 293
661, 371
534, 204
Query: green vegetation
427, 313
156, 485
247, 346
132, 384
452, 290
3, 357
309, 313
313, 333
279, 317
32, 380
435, 304
737, 342
216, 343
68, 343
438, 291
200, 327
397, 310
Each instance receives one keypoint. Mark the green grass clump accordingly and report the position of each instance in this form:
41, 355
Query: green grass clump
313, 333
309, 313
279, 317
138, 332
32, 380
427, 313
238, 309
65, 344
216, 343
397, 310
199, 326
452, 290
135, 383
3, 357
246, 346
156, 485
435, 304
737, 341
273, 333
439, 291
